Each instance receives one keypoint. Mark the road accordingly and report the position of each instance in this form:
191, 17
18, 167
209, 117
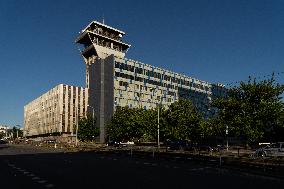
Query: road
29, 167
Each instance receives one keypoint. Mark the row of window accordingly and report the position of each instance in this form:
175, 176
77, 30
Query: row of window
158, 75
152, 82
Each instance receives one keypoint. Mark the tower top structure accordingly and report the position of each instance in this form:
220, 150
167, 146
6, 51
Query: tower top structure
100, 40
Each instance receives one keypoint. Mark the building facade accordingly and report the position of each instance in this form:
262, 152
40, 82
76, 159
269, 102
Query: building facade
56, 112
3, 129
114, 80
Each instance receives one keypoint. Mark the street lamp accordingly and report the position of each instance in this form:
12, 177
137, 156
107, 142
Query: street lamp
77, 122
227, 132
158, 105
93, 113
158, 127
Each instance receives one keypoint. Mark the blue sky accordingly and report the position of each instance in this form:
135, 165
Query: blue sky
216, 41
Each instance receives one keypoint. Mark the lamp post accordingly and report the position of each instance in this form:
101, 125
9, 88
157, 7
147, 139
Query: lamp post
77, 122
158, 129
93, 113
227, 132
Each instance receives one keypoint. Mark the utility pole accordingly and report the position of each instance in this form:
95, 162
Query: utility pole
77, 122
227, 132
158, 128
93, 113
6, 133
93, 116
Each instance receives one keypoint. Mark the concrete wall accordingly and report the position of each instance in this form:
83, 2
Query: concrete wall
101, 92
55, 112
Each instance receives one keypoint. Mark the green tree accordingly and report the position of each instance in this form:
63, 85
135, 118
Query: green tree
126, 124
183, 121
87, 129
252, 110
150, 124
16, 131
2, 135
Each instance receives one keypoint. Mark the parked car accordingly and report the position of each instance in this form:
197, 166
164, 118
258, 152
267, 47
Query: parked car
220, 148
179, 145
119, 144
113, 143
274, 149
205, 148
3, 144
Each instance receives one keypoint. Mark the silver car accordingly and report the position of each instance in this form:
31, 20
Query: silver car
274, 149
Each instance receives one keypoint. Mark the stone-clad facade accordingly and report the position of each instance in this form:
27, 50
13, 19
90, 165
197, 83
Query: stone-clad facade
55, 113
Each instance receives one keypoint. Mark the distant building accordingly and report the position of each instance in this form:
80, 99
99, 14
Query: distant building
55, 113
3, 128
114, 80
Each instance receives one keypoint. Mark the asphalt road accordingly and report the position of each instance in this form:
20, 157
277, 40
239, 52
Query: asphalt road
29, 167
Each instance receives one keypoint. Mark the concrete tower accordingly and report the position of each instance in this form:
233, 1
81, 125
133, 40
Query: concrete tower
99, 45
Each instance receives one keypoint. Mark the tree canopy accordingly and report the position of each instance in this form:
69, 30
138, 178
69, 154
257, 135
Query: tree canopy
87, 129
179, 122
252, 110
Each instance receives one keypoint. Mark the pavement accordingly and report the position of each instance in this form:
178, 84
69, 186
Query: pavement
23, 166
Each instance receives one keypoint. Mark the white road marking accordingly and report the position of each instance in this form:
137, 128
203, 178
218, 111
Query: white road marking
49, 186
35, 178
199, 169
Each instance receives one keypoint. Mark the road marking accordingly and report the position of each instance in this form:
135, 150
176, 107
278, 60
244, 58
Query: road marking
114, 159
137, 162
49, 186
154, 164
199, 169
146, 163
175, 167
35, 178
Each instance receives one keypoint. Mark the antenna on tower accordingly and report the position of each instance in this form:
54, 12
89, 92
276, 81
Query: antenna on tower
103, 19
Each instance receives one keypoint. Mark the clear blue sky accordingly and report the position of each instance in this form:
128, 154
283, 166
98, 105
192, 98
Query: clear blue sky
216, 41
